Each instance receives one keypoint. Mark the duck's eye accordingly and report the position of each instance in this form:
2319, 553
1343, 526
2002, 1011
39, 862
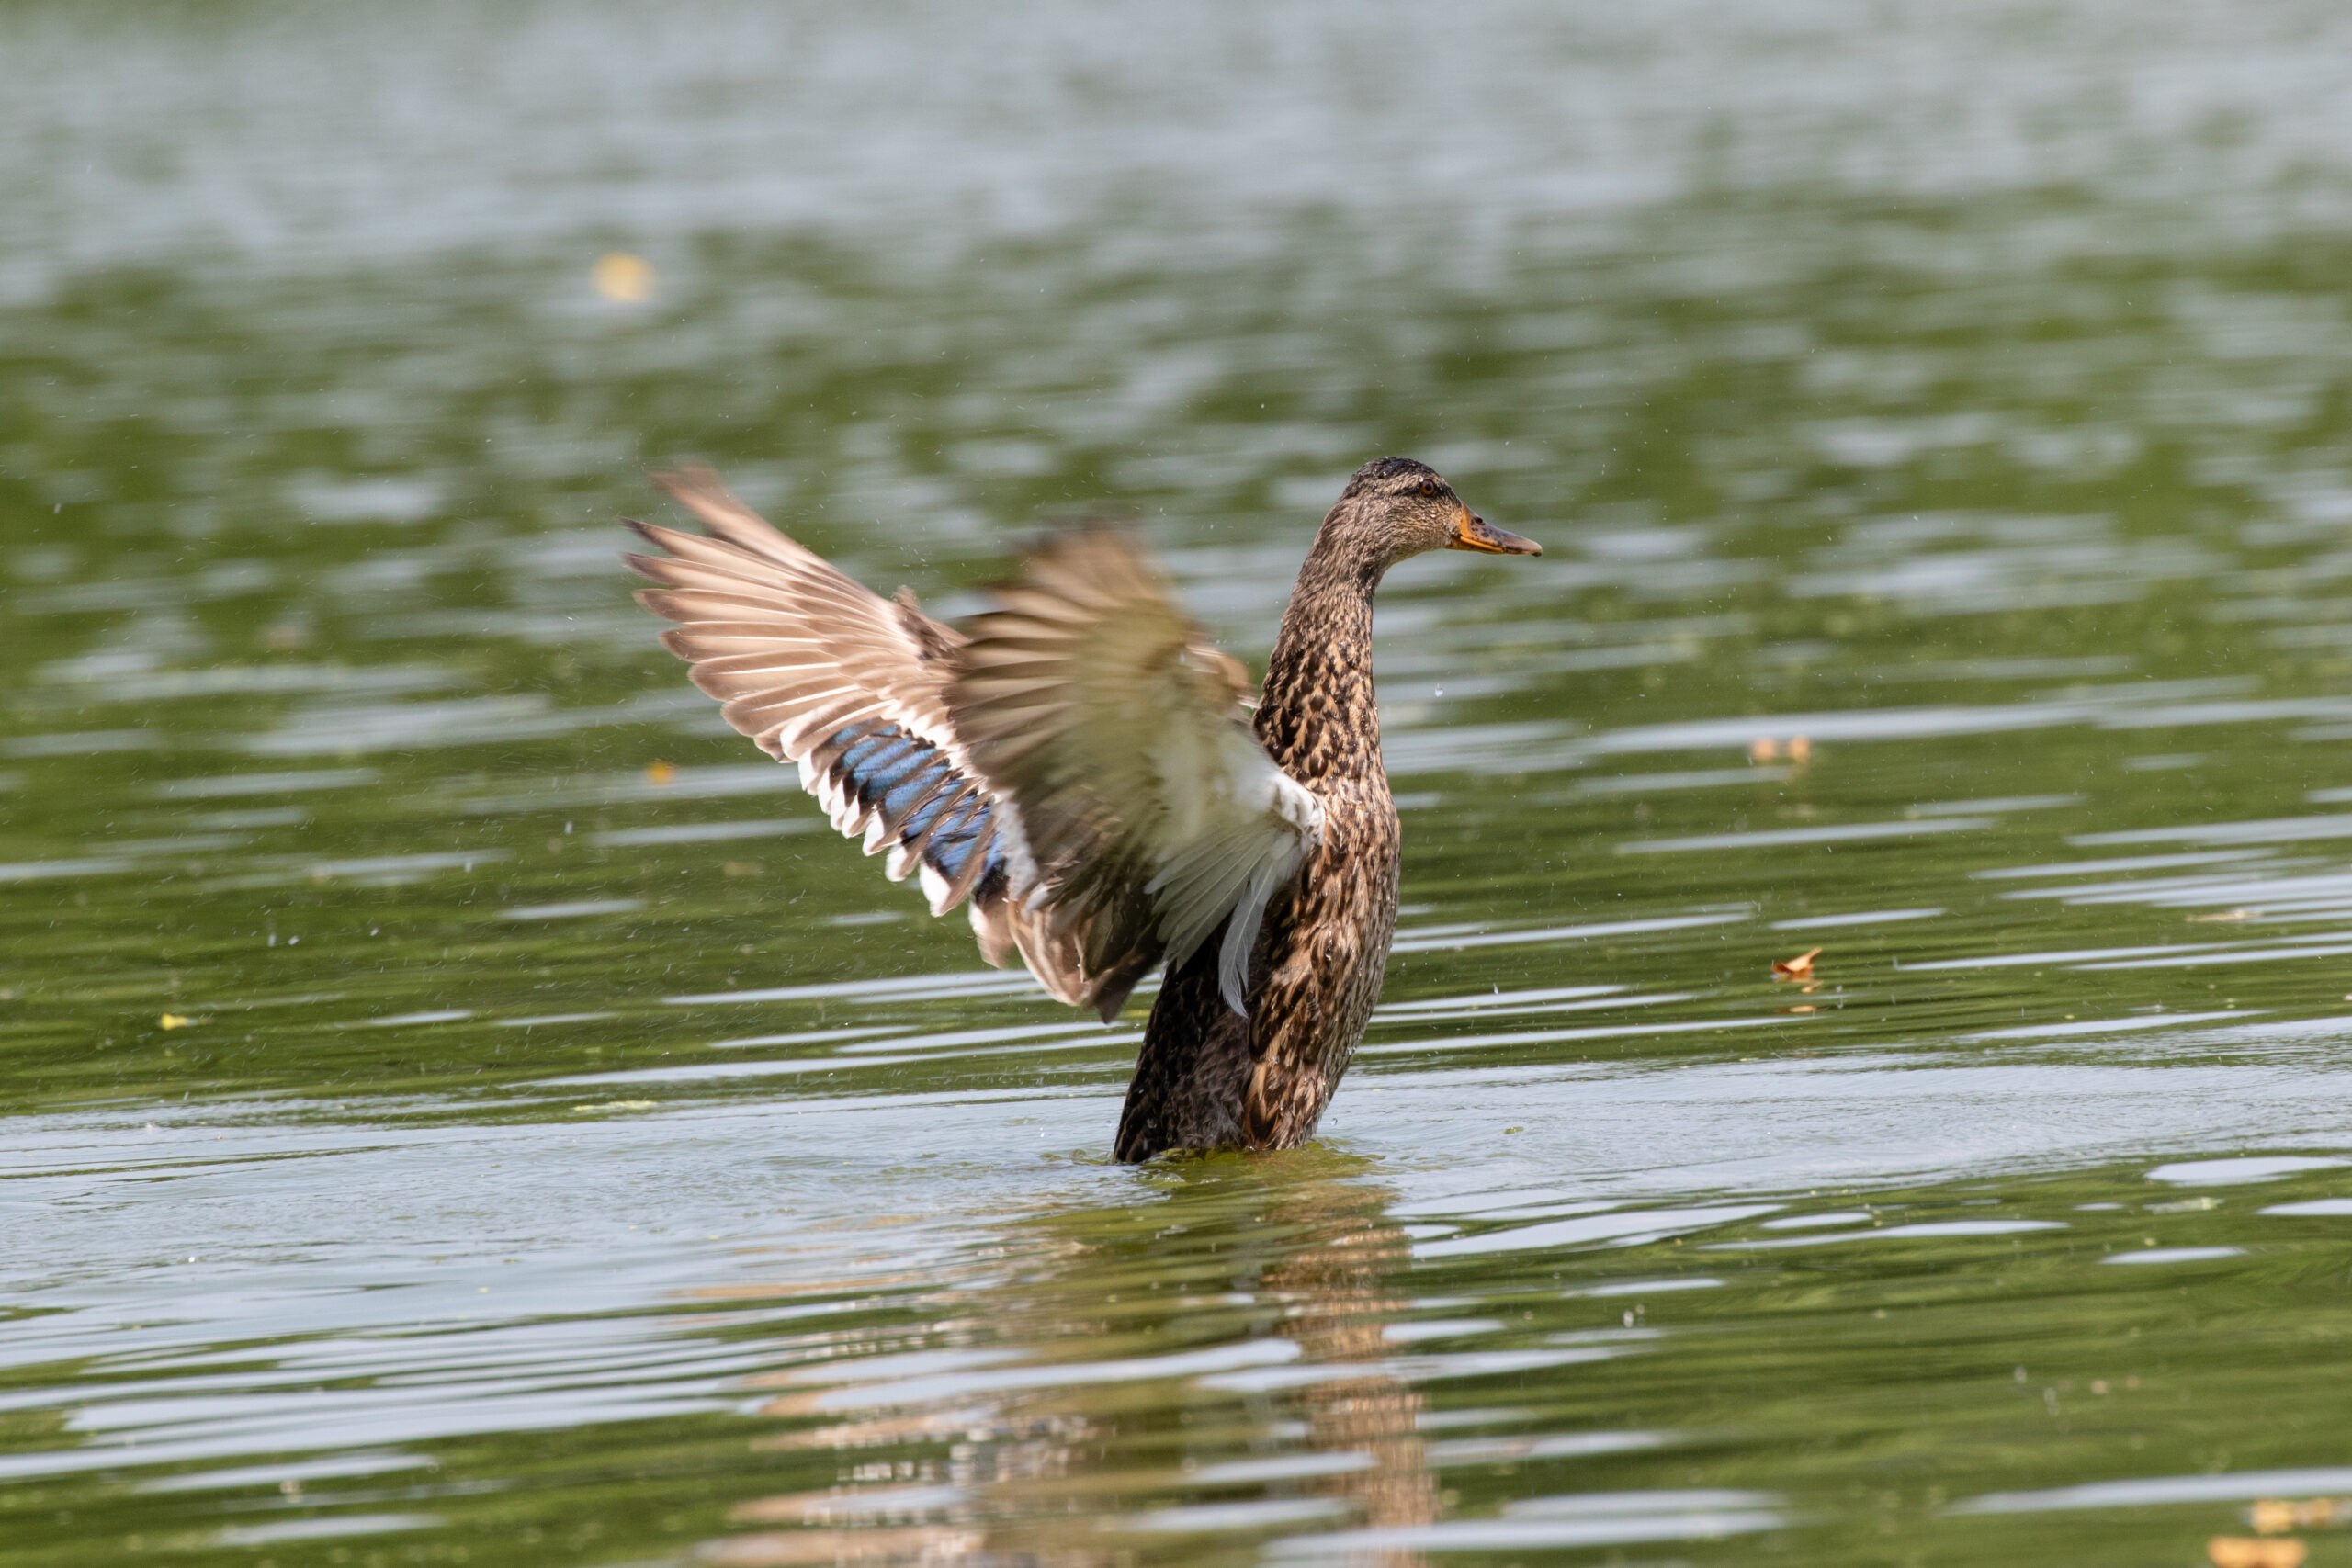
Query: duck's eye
1428, 487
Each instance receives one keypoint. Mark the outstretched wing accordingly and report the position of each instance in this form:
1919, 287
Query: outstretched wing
821, 673
1078, 770
1100, 715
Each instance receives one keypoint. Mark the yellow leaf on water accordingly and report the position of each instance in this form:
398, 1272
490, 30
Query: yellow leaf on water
1797, 750
2272, 1517
175, 1021
623, 279
2256, 1552
2276, 1516
660, 772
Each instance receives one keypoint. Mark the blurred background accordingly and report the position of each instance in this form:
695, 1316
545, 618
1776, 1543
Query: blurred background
461, 1106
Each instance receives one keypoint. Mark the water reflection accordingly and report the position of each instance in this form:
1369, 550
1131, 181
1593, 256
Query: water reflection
1097, 1396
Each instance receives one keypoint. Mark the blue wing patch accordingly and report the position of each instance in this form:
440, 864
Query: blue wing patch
938, 817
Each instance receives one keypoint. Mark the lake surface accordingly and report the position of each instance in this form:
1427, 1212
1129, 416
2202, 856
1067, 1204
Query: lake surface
461, 1105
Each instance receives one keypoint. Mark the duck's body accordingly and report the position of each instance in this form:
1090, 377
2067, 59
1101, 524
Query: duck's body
1209, 1077
1074, 764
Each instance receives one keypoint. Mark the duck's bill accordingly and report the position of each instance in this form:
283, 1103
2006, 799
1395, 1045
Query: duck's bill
1472, 531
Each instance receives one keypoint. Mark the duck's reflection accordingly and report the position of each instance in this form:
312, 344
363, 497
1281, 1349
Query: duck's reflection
1208, 1362
1339, 1307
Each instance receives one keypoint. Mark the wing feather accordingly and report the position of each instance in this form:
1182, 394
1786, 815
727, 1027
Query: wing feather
823, 673
1076, 773
1087, 700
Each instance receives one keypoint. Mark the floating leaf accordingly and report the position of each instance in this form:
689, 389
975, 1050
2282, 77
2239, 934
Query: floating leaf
2256, 1552
623, 279
2276, 1516
1797, 968
176, 1020
660, 772
1796, 750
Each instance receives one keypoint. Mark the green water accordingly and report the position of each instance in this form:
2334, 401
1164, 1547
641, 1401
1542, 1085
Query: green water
462, 1105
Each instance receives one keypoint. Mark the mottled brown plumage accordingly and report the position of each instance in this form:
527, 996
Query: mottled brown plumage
1207, 1076
1076, 766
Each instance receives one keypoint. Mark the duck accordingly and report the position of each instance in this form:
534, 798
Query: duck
1082, 769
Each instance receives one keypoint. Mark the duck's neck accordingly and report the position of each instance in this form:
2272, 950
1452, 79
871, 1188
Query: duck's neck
1317, 718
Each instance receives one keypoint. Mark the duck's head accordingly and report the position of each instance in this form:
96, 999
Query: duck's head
1395, 508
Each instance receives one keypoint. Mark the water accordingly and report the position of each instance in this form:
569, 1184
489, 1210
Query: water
463, 1107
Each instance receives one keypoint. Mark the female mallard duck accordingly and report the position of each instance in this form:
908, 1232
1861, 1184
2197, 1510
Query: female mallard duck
1079, 764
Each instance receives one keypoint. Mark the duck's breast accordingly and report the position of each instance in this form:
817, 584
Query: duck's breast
1322, 962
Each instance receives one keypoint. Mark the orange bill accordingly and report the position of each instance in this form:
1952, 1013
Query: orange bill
1472, 531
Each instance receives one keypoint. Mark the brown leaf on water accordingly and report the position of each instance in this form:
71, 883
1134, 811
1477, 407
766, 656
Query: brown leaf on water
2221, 918
1797, 968
1799, 750
1764, 749
2256, 1552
